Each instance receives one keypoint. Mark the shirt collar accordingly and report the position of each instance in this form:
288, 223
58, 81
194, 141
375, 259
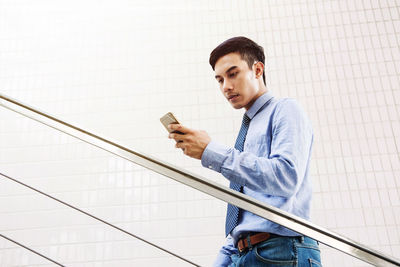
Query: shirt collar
258, 104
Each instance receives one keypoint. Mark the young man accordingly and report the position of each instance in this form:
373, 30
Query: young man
270, 161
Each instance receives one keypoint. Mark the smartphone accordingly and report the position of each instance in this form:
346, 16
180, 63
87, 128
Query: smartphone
168, 119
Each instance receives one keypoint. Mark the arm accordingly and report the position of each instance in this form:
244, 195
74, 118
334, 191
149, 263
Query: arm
281, 172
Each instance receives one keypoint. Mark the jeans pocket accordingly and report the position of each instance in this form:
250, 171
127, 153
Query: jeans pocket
308, 255
276, 253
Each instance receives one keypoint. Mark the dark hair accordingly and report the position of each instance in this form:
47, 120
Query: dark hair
248, 50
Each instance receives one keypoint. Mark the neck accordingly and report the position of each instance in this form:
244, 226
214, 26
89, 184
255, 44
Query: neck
260, 92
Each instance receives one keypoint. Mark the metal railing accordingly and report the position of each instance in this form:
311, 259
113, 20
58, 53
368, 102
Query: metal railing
93, 217
195, 181
31, 250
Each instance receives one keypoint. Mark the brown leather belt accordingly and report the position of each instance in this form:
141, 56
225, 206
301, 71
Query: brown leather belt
243, 243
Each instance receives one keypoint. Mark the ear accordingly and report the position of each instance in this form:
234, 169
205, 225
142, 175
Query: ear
258, 69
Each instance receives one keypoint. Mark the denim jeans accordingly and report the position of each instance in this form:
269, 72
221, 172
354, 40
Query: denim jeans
280, 251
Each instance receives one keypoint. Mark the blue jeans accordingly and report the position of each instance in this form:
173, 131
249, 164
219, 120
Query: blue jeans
280, 251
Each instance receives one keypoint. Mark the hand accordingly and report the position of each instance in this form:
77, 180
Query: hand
192, 142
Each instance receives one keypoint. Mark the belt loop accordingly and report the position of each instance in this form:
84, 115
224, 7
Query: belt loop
249, 242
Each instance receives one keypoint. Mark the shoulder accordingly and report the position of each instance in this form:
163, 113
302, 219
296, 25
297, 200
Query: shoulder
289, 110
287, 106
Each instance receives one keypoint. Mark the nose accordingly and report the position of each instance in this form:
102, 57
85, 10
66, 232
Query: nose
227, 86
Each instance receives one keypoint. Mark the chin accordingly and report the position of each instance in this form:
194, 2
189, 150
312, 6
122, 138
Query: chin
237, 106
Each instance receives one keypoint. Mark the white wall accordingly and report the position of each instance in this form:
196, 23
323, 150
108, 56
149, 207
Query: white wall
115, 67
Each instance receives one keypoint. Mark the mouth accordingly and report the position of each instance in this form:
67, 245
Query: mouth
233, 97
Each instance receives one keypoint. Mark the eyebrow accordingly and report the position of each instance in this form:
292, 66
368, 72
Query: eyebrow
231, 68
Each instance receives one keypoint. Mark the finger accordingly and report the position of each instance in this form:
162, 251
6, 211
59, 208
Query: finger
180, 145
179, 128
177, 137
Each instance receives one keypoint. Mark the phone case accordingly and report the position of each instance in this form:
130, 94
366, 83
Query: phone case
168, 119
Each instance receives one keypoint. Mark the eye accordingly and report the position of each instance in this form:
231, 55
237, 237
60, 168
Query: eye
232, 74
220, 81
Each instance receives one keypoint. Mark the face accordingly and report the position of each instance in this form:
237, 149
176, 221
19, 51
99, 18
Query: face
240, 85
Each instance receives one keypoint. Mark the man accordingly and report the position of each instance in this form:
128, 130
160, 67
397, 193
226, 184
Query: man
270, 161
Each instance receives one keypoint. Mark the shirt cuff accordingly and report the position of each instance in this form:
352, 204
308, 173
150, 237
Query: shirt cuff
214, 156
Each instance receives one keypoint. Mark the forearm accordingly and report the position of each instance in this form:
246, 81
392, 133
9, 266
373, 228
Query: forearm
277, 169
275, 176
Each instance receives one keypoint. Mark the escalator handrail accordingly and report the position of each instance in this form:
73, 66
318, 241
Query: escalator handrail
209, 187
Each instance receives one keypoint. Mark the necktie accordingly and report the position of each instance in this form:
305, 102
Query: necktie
232, 214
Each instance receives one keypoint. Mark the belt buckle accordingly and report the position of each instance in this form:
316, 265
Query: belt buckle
241, 242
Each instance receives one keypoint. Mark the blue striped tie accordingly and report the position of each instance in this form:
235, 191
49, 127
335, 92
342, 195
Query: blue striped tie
232, 214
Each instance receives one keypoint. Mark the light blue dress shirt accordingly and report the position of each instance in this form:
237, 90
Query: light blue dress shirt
273, 166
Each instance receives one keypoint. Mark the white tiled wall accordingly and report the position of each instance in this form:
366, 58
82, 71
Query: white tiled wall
115, 67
